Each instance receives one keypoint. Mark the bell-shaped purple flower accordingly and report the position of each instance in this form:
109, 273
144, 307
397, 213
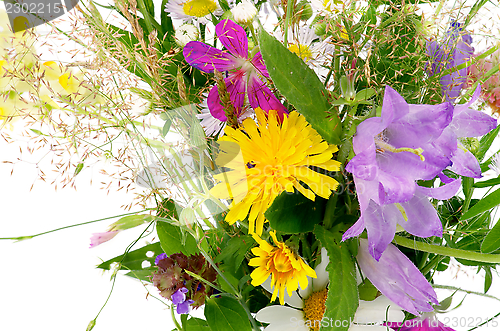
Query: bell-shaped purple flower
455, 51
393, 151
396, 277
426, 322
243, 77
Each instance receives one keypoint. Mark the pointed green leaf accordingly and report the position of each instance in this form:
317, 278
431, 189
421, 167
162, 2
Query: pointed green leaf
133, 260
485, 204
485, 143
342, 300
79, 168
301, 87
488, 279
492, 240
294, 213
226, 314
196, 324
171, 239
487, 183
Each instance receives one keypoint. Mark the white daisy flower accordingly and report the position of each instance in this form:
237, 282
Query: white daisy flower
186, 33
187, 10
244, 12
304, 42
306, 308
213, 126
495, 164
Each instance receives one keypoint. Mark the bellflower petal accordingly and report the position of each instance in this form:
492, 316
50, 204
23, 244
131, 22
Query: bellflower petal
397, 278
394, 189
444, 192
207, 58
472, 123
380, 226
423, 220
465, 163
233, 37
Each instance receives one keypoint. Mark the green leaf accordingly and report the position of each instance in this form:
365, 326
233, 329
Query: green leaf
294, 213
367, 291
171, 239
301, 87
133, 260
78, 168
342, 300
226, 314
486, 203
492, 240
488, 279
166, 127
485, 143
196, 324
487, 183
235, 250
144, 274
365, 94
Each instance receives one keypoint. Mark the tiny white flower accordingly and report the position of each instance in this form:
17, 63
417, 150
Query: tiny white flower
244, 12
186, 33
495, 164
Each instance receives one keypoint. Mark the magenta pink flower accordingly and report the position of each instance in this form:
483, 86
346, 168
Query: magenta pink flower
243, 71
427, 322
102, 237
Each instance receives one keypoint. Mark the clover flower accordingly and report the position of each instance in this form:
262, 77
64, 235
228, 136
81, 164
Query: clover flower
243, 77
175, 284
305, 308
455, 51
491, 87
276, 157
287, 269
396, 277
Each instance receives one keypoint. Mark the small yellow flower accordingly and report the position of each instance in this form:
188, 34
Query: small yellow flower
275, 157
287, 270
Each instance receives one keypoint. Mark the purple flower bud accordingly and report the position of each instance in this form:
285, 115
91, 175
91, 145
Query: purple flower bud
160, 257
397, 278
101, 237
179, 296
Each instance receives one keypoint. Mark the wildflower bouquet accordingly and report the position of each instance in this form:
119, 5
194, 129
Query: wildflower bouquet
303, 165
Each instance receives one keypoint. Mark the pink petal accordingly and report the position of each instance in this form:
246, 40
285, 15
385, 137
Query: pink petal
102, 237
259, 95
258, 63
235, 85
207, 58
233, 37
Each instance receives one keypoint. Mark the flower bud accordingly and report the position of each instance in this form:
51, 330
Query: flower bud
244, 12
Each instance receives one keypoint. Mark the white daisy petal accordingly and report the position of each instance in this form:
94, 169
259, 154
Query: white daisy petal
322, 275
278, 314
304, 293
376, 311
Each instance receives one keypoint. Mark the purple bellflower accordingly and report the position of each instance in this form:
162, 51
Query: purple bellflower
179, 300
396, 277
243, 77
405, 144
426, 322
455, 51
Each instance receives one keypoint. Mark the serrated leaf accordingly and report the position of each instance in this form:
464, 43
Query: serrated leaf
226, 314
171, 239
342, 300
294, 213
133, 260
485, 204
492, 240
301, 87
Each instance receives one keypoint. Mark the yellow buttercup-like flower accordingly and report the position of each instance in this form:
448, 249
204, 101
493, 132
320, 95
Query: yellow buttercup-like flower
287, 270
272, 157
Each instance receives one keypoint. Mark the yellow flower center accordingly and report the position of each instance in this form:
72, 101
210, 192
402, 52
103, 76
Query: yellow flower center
303, 51
199, 8
328, 4
314, 309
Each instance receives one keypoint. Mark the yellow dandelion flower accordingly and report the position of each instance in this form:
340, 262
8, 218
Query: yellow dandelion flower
276, 157
287, 270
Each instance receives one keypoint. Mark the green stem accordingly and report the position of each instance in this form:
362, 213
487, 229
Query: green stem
289, 8
252, 30
179, 328
447, 251
71, 226
250, 317
447, 287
